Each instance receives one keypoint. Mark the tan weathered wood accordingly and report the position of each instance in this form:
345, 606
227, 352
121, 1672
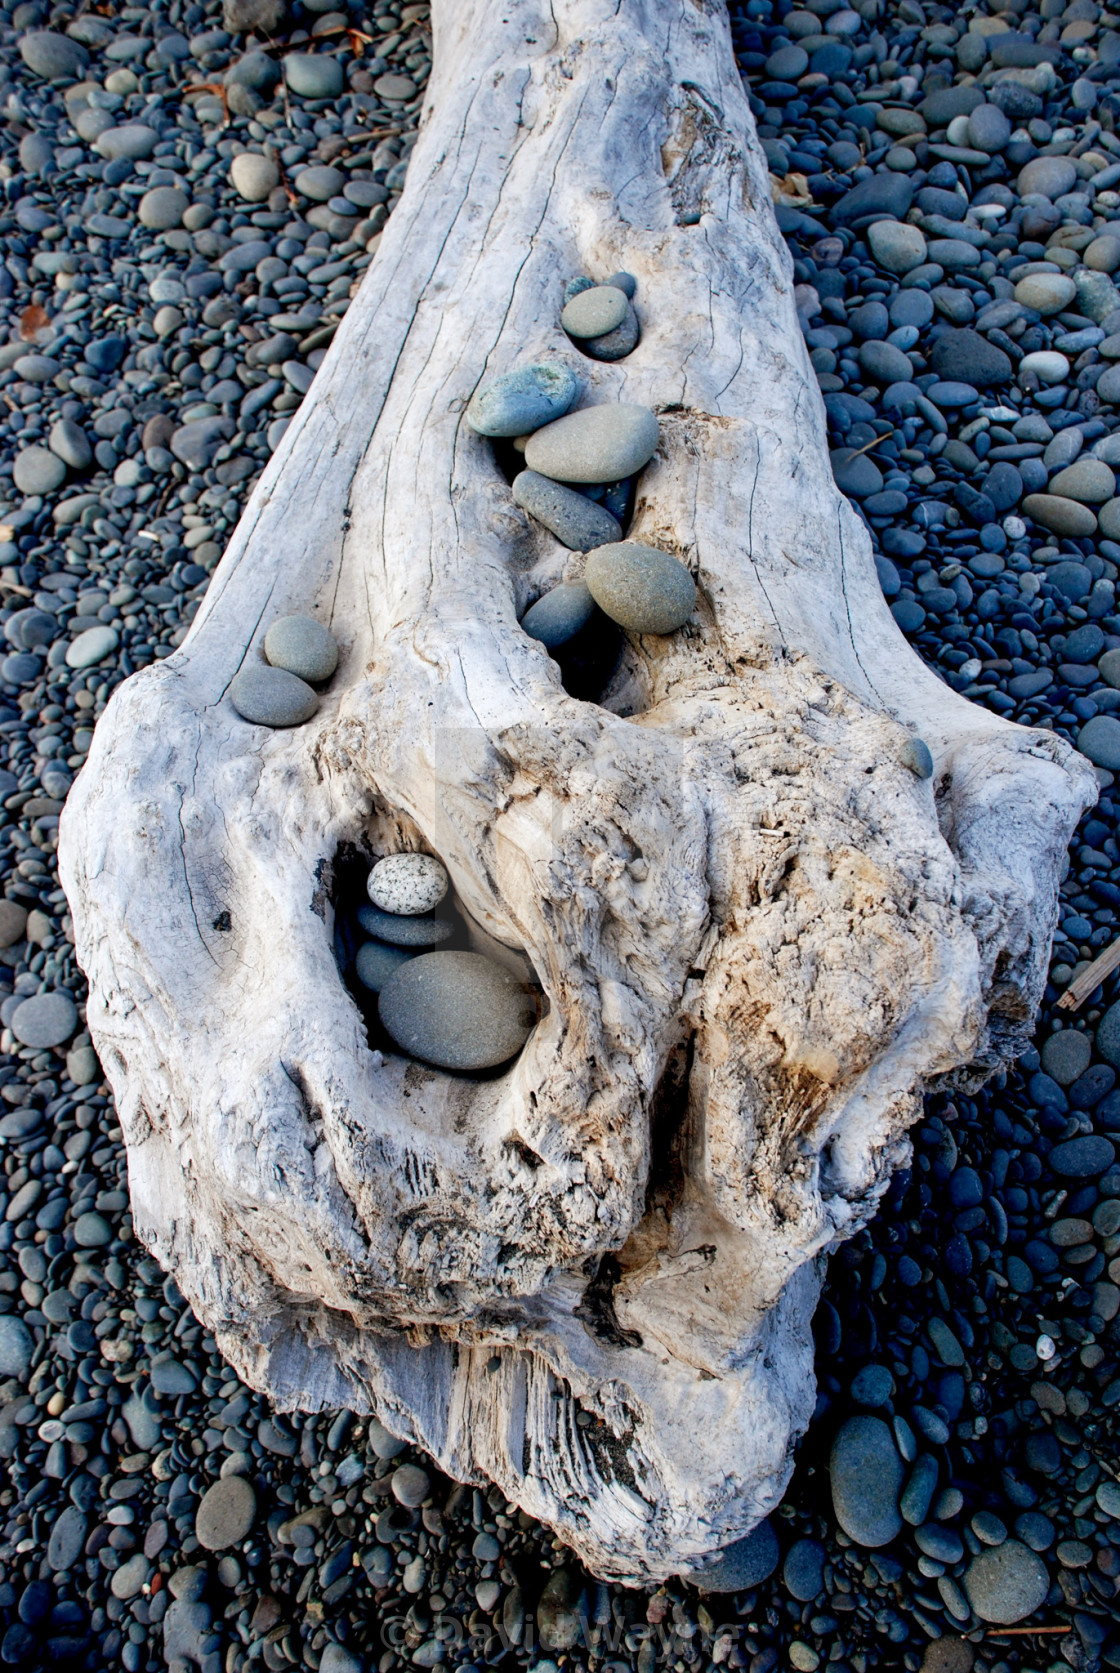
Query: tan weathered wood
590, 1279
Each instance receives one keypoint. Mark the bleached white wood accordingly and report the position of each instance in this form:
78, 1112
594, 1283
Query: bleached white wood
760, 935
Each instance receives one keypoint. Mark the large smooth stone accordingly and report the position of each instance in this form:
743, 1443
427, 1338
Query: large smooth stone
271, 696
596, 444
375, 963
1088, 480
572, 517
51, 55
867, 1474
559, 615
1061, 516
1048, 292
594, 312
1006, 1583
407, 884
457, 1011
640, 588
313, 75
521, 401
226, 1513
47, 1019
738, 1567
303, 646
92, 646
425, 931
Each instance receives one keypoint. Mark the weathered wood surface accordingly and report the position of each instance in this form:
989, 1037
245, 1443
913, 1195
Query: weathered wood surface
761, 936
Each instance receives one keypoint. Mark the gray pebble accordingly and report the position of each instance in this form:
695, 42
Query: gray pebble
374, 963
68, 1536
163, 207
915, 754
271, 696
594, 312
1099, 739
38, 471
92, 646
253, 176
423, 931
1067, 1055
746, 1563
616, 344
411, 1485
68, 440
640, 588
457, 1011
313, 76
866, 1473
131, 141
15, 1346
597, 444
320, 182
51, 55
560, 614
521, 401
574, 519
49, 1019
303, 646
1006, 1583
226, 1513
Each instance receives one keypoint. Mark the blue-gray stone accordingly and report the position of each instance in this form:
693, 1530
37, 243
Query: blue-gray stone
574, 519
596, 444
594, 312
68, 1536
917, 1495
939, 1542
872, 1386
457, 1010
303, 646
740, 1566
271, 696
1082, 1158
48, 1019
616, 344
803, 1569
52, 56
559, 615
172, 1378
625, 282
15, 1346
313, 76
521, 401
375, 963
1006, 1583
866, 1473
425, 930
640, 588
915, 754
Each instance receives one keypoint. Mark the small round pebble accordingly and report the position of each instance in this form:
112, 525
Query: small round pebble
640, 588
269, 696
560, 614
253, 176
596, 444
313, 75
411, 1485
38, 471
1006, 1583
594, 312
375, 963
521, 401
163, 208
916, 755
92, 646
407, 884
225, 1513
303, 646
457, 1011
48, 1019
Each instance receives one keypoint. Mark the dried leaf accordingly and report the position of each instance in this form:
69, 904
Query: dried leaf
791, 190
33, 320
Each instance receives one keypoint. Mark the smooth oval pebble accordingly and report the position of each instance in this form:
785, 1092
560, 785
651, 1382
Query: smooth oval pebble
271, 696
616, 344
559, 615
253, 176
47, 1019
375, 963
226, 1513
866, 1473
457, 1011
1047, 365
639, 587
303, 646
1006, 1583
424, 931
411, 1485
16, 1346
92, 646
407, 883
594, 312
520, 401
915, 754
596, 444
574, 519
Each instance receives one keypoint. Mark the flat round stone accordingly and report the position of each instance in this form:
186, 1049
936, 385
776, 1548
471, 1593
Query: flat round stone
596, 444
226, 1513
616, 344
1088, 480
395, 89
594, 312
1099, 739
1060, 516
574, 519
457, 1011
163, 208
303, 646
407, 884
1006, 1583
271, 696
320, 182
424, 931
519, 402
253, 176
92, 646
313, 75
1048, 365
51, 55
1049, 293
640, 588
375, 963
559, 615
47, 1019
738, 1567
38, 471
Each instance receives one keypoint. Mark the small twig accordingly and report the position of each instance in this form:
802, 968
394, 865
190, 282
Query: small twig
1029, 1632
1089, 980
868, 445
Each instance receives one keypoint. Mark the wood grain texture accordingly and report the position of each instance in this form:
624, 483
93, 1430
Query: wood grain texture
590, 1279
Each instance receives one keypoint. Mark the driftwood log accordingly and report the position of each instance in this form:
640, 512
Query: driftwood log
591, 1278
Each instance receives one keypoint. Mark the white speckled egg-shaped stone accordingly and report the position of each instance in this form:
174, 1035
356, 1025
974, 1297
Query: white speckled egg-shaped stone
407, 883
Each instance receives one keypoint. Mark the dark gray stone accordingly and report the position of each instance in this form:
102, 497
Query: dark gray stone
866, 1473
574, 519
